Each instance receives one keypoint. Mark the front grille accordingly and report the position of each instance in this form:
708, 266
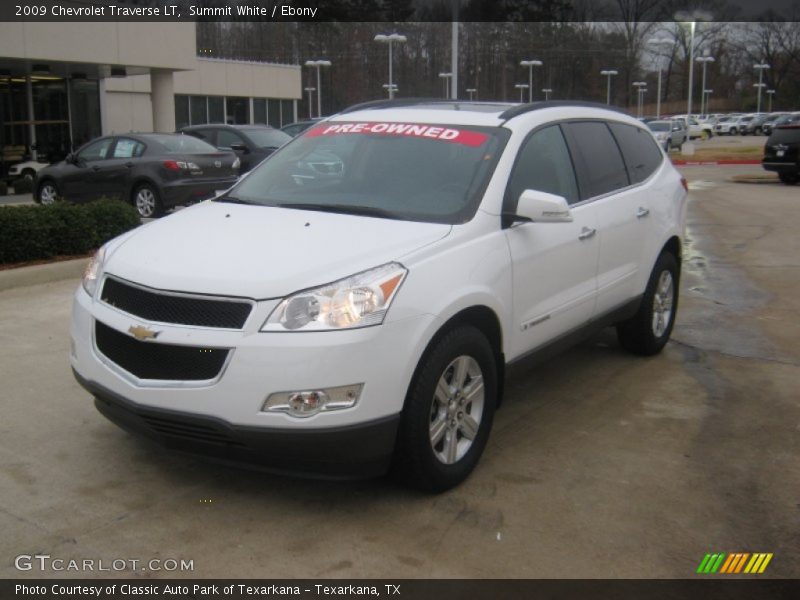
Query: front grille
155, 305
189, 431
152, 360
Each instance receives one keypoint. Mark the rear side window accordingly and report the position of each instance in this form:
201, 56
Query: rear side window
544, 164
785, 135
642, 155
128, 148
599, 163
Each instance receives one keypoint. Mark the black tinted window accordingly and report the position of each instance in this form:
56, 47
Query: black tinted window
785, 135
599, 162
226, 137
544, 164
642, 155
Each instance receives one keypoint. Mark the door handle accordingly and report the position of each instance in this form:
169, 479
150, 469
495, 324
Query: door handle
95, 168
642, 212
586, 233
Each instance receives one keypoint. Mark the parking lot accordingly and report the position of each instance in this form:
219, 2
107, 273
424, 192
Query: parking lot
600, 464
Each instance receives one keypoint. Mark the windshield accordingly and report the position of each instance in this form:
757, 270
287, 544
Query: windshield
414, 172
268, 138
659, 126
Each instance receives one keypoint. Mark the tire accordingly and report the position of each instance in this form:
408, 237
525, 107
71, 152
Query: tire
47, 193
732, 131
648, 331
706, 135
146, 201
789, 178
434, 451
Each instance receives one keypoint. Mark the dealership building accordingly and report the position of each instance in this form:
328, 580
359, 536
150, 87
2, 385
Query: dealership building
62, 84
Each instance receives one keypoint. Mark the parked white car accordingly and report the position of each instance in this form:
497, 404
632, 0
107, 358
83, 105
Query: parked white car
25, 170
697, 129
340, 323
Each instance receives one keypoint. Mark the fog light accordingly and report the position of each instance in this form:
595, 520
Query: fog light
311, 402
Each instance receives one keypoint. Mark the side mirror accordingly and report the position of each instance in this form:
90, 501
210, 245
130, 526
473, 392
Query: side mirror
239, 147
541, 207
70, 158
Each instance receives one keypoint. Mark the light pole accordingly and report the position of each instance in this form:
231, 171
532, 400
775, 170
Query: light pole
390, 39
446, 78
608, 73
641, 87
760, 68
547, 92
318, 64
309, 90
704, 60
391, 88
530, 64
521, 87
771, 93
471, 92
706, 97
691, 18
659, 42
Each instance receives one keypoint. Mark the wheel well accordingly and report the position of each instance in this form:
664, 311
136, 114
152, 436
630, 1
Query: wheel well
139, 183
673, 246
485, 320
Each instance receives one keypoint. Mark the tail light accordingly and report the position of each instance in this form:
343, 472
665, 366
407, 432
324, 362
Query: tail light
685, 184
171, 165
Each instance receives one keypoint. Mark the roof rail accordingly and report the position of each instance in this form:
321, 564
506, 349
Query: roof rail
398, 103
515, 111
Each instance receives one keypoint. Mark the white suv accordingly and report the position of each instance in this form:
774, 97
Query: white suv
353, 303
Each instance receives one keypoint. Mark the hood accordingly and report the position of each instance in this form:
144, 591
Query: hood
261, 252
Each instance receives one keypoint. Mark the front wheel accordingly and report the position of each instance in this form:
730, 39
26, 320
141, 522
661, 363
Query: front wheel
706, 135
47, 193
648, 331
448, 413
146, 201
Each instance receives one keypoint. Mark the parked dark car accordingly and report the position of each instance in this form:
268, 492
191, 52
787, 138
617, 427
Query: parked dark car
154, 171
251, 143
770, 122
295, 129
782, 153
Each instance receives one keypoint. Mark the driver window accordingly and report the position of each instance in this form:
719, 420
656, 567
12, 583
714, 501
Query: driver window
544, 164
96, 150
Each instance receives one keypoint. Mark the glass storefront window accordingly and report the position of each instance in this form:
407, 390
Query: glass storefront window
199, 114
259, 111
85, 111
274, 113
181, 111
287, 112
237, 110
216, 109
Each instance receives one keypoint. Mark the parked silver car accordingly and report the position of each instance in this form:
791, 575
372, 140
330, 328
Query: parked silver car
668, 134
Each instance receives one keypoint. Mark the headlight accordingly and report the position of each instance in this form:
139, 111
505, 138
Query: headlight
93, 271
360, 300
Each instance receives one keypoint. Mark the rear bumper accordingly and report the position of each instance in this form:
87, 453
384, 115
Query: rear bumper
349, 452
780, 166
187, 192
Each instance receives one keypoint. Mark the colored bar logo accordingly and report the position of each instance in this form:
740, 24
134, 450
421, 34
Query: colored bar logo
734, 563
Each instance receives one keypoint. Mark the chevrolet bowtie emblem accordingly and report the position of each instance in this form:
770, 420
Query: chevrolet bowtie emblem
142, 333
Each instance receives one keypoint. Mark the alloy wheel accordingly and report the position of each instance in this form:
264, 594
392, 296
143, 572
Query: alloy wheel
663, 299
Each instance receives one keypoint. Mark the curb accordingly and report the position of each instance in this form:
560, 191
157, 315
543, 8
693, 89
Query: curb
711, 163
37, 274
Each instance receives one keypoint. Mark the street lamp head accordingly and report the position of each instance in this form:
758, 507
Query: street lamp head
546, 90
609, 72
761, 66
392, 37
472, 90
530, 63
770, 91
639, 84
310, 89
704, 59
521, 86
759, 85
443, 75
318, 63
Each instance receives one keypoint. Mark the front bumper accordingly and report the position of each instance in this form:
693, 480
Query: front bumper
363, 450
188, 191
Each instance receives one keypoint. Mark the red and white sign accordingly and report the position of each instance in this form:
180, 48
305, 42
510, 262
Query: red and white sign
434, 132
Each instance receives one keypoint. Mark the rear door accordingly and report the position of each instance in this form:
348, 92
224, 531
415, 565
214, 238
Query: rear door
554, 264
114, 176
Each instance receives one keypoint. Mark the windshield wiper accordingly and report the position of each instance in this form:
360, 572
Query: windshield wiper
232, 200
345, 209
